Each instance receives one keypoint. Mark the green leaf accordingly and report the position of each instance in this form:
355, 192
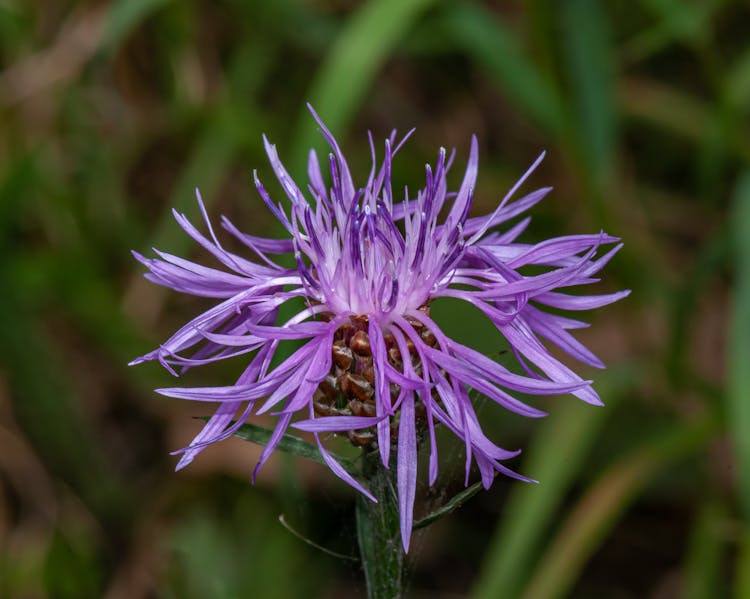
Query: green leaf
742, 578
703, 577
449, 506
683, 20
738, 82
678, 21
590, 57
738, 355
290, 444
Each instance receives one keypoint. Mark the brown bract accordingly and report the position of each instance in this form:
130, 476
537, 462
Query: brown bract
349, 388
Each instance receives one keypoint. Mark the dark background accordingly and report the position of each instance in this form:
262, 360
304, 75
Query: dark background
112, 113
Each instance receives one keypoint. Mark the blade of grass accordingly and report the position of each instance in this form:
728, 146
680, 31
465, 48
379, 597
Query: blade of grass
738, 82
351, 65
590, 58
530, 508
738, 354
742, 565
541, 16
702, 573
680, 21
497, 50
606, 500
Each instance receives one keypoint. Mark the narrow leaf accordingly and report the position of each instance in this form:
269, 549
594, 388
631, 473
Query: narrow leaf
587, 46
738, 354
702, 575
290, 444
449, 506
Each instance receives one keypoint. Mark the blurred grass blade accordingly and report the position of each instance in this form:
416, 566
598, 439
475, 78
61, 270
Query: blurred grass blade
684, 20
290, 444
702, 576
530, 509
687, 22
742, 567
124, 16
738, 354
351, 65
495, 47
738, 82
675, 111
587, 46
599, 509
449, 506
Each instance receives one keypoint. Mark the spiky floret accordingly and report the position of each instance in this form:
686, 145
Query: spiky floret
369, 265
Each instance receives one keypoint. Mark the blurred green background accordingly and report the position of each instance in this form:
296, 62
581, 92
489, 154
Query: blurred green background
111, 113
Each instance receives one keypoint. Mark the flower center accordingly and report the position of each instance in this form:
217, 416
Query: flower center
349, 388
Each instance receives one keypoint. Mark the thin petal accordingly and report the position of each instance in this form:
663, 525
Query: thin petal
406, 476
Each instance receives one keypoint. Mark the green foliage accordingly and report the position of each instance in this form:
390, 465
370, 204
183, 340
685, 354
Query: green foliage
739, 342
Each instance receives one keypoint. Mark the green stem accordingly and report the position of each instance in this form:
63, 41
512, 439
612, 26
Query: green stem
379, 534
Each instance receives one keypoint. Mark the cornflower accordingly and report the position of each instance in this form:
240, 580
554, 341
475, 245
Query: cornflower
374, 365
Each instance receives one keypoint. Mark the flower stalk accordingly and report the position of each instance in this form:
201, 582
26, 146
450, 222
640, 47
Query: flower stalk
379, 532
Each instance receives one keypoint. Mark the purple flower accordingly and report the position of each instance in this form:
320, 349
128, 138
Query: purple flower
373, 364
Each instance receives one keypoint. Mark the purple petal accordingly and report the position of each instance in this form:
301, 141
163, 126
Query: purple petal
334, 424
406, 476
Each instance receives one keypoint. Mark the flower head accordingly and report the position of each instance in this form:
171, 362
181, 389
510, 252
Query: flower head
373, 363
